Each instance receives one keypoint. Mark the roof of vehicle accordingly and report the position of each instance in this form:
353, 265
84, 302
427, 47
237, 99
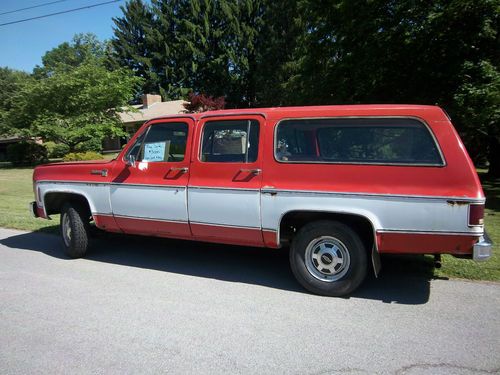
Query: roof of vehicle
342, 110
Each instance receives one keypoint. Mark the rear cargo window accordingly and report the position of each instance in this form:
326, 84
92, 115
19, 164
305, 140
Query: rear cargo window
357, 141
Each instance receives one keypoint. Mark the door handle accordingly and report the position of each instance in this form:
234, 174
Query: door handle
255, 171
180, 170
99, 172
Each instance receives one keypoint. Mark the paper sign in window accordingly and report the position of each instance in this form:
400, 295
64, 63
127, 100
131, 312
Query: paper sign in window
157, 151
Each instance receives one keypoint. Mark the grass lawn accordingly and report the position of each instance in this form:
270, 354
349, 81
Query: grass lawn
489, 270
16, 192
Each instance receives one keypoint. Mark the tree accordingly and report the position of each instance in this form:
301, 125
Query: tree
131, 46
11, 83
70, 55
478, 101
75, 106
202, 103
199, 45
441, 52
278, 33
300, 52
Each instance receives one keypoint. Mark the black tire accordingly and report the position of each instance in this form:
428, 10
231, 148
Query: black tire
75, 245
328, 244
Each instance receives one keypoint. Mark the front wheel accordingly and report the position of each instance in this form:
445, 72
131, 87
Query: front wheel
74, 230
328, 258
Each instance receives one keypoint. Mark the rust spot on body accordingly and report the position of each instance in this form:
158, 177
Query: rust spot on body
457, 203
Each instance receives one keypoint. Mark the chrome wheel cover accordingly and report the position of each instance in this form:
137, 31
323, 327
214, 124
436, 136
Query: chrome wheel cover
327, 258
66, 230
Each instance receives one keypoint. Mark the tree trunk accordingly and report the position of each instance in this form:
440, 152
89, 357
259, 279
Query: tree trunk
494, 157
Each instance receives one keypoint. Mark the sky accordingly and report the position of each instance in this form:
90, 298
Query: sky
23, 44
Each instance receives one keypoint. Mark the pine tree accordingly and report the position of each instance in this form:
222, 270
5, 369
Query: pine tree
131, 45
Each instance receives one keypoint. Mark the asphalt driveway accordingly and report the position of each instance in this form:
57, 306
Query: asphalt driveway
138, 305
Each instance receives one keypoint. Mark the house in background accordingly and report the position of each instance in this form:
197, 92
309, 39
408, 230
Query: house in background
151, 107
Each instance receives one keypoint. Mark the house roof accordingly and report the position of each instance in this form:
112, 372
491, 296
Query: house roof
154, 110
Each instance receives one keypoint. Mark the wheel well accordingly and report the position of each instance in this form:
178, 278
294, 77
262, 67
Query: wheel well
293, 221
55, 201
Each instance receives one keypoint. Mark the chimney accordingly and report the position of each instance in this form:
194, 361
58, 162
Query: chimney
149, 99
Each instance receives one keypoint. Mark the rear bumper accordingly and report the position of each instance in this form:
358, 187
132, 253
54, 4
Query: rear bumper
482, 249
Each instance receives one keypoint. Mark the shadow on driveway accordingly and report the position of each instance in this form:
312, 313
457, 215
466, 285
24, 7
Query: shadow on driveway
403, 279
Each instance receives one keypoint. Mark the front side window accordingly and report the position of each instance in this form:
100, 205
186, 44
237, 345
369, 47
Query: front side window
162, 143
230, 141
366, 141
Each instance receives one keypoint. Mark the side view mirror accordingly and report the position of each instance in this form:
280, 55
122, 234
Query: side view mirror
130, 160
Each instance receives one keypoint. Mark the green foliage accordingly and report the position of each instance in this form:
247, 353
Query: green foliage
26, 153
67, 56
78, 156
56, 150
94, 144
180, 46
441, 52
75, 107
477, 102
131, 47
11, 83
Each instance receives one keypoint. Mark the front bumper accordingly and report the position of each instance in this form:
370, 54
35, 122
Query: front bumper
482, 249
33, 209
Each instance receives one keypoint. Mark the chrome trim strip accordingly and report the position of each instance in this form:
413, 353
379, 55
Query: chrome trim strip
149, 185
274, 191
170, 117
221, 188
224, 225
375, 195
109, 183
151, 219
235, 114
101, 214
72, 182
177, 221
436, 232
438, 146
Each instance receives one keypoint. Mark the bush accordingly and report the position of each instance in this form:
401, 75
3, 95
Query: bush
56, 150
78, 156
26, 153
94, 144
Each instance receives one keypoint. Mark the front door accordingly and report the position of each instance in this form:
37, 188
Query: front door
225, 180
150, 196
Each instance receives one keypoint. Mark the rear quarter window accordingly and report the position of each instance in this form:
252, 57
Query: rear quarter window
399, 141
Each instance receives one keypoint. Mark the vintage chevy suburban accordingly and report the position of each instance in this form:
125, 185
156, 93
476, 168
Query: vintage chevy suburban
338, 184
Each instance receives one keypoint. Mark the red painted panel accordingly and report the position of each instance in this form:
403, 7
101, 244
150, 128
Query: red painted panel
153, 227
458, 178
415, 243
106, 222
270, 239
40, 212
220, 174
228, 235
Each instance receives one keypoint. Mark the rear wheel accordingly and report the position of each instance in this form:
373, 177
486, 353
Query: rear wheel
74, 230
328, 258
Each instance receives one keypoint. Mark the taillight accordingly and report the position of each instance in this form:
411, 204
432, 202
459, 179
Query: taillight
476, 214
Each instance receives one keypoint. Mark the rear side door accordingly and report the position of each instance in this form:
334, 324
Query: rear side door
150, 196
225, 180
